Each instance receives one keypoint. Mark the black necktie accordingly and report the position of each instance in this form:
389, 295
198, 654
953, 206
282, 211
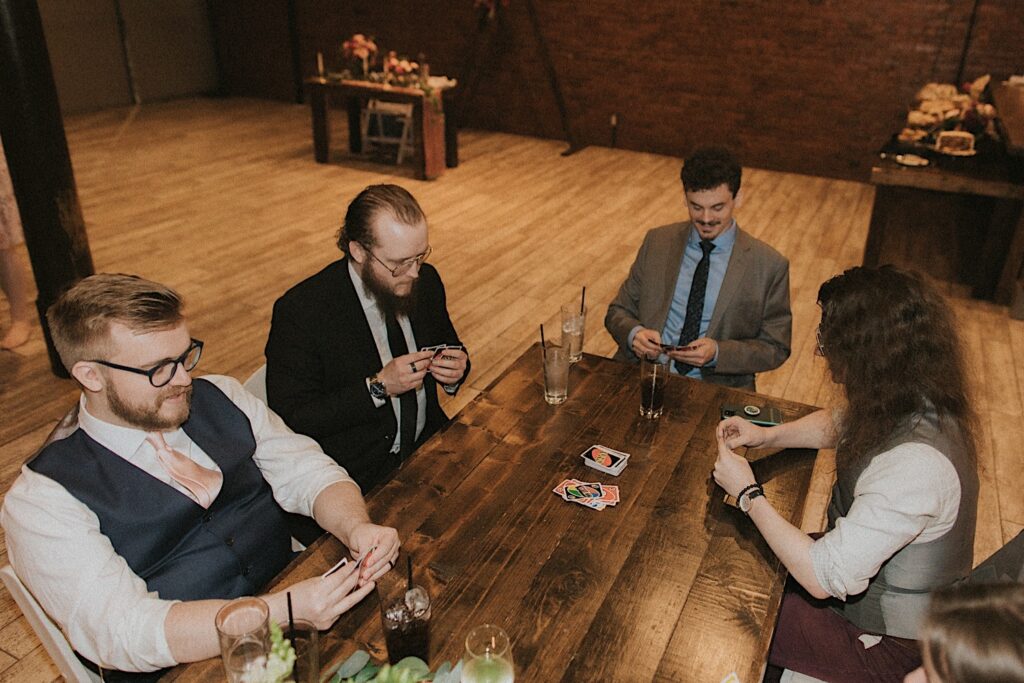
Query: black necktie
407, 401
695, 302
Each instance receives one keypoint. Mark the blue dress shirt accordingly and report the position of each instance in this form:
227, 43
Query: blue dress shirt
716, 274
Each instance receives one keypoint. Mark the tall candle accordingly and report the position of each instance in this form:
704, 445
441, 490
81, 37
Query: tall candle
320, 63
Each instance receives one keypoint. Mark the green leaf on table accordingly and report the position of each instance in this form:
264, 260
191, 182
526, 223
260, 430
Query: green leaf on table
366, 674
354, 664
415, 665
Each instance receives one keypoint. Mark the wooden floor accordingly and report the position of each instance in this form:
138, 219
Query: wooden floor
221, 200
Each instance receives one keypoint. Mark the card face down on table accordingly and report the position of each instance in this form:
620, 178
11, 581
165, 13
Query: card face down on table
604, 459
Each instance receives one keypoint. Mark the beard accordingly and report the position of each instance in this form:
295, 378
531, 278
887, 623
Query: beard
148, 418
389, 302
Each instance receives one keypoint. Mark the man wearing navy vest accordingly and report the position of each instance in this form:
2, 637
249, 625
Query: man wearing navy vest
160, 497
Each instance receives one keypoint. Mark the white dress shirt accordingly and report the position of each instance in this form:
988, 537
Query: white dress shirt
57, 549
909, 494
379, 329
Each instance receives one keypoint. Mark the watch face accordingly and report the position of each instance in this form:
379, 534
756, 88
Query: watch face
378, 390
745, 503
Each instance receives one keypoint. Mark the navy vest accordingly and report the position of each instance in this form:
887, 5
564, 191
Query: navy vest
180, 550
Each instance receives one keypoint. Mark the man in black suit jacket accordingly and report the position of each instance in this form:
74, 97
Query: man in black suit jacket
343, 359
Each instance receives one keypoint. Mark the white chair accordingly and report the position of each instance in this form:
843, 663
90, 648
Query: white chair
257, 383
52, 638
372, 123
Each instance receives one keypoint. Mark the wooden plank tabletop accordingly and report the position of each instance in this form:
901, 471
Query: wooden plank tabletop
669, 585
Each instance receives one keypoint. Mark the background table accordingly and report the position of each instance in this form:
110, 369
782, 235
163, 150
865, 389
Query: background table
957, 219
436, 144
669, 585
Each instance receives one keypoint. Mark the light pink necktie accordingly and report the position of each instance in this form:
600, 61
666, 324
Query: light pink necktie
203, 483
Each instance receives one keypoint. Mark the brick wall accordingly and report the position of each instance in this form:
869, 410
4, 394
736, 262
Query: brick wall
810, 86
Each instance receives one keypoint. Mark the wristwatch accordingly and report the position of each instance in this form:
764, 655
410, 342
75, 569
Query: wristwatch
377, 388
747, 496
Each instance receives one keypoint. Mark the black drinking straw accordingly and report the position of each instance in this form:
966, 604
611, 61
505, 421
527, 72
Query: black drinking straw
583, 299
543, 349
408, 570
291, 619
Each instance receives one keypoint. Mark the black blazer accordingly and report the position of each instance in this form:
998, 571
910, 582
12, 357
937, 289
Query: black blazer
320, 352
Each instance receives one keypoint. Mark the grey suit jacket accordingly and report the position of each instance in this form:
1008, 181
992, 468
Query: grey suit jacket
752, 321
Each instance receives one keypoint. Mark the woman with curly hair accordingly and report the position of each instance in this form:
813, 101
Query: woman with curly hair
974, 633
902, 514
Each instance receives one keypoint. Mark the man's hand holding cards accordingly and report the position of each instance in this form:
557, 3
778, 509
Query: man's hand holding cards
604, 459
448, 364
588, 494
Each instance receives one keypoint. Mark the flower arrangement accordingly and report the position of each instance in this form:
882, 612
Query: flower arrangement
359, 51
401, 71
941, 108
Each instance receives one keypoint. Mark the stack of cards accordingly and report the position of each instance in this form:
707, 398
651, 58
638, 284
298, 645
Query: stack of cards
439, 348
590, 494
604, 459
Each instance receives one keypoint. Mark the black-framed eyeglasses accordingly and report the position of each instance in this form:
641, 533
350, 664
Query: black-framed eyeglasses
163, 372
817, 337
403, 267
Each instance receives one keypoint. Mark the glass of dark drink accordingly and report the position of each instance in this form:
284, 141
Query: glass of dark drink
653, 373
405, 616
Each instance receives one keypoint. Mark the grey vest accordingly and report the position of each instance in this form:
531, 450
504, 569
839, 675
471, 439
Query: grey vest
896, 599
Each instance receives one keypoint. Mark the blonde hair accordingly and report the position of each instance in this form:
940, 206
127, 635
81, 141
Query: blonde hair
80, 319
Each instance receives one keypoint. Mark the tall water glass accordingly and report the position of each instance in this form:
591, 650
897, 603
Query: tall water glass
653, 372
488, 656
573, 323
243, 629
556, 374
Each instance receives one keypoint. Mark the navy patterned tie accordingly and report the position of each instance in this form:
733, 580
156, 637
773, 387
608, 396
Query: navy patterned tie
695, 303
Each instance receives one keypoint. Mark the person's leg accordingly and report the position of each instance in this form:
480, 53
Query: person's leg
15, 284
812, 639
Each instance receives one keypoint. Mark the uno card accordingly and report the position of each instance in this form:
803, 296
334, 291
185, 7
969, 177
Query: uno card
583, 493
604, 459
583, 490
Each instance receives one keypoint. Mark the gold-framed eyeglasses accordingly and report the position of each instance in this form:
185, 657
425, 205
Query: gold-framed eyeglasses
163, 372
820, 351
403, 267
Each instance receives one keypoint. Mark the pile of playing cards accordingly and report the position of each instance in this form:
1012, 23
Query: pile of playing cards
604, 459
592, 494
440, 348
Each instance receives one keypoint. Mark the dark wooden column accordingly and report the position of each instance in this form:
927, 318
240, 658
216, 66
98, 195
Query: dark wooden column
38, 159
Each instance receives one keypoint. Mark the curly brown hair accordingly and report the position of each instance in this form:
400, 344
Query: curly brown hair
891, 342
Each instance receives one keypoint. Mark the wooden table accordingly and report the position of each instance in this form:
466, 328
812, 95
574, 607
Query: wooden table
955, 219
436, 144
669, 585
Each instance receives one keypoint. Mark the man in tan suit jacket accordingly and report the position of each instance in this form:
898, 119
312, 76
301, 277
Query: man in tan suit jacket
745, 323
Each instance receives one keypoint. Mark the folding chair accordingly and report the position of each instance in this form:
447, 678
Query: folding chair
53, 639
375, 119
